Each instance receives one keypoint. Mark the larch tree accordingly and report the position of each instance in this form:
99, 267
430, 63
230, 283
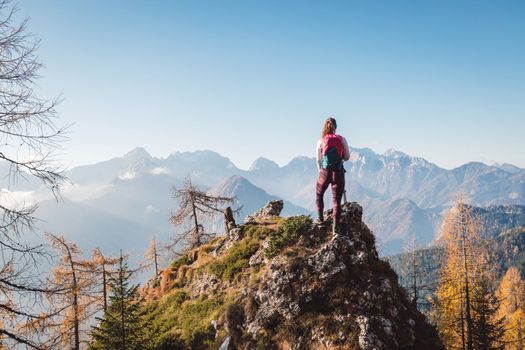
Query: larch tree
104, 267
411, 262
195, 206
29, 139
464, 299
77, 302
511, 294
152, 256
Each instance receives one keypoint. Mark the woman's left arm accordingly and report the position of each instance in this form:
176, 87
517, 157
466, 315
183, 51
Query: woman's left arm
346, 150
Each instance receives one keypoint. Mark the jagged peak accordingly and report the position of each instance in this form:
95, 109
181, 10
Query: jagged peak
262, 163
137, 153
201, 155
233, 181
393, 153
301, 161
510, 168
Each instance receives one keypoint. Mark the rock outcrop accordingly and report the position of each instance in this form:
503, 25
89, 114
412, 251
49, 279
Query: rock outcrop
271, 209
283, 283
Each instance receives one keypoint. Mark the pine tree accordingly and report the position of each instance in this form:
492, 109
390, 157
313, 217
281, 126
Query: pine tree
123, 326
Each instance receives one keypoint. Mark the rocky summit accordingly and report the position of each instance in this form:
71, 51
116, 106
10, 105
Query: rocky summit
284, 283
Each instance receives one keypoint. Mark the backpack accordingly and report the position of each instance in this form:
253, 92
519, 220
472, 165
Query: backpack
332, 152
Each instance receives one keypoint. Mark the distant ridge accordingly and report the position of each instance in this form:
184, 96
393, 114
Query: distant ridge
410, 191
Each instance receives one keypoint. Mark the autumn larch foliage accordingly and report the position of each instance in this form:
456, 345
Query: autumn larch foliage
465, 304
195, 206
76, 297
511, 293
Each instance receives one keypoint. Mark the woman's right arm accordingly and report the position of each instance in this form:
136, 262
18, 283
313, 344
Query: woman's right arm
318, 155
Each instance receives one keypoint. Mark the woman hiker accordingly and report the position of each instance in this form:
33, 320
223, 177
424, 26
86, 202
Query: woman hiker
332, 150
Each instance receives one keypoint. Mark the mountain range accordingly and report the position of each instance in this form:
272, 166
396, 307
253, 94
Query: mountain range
128, 199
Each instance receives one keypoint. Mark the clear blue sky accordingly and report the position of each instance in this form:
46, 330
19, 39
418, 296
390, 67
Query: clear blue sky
444, 80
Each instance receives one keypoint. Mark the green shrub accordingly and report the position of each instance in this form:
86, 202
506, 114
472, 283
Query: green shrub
169, 342
288, 233
256, 231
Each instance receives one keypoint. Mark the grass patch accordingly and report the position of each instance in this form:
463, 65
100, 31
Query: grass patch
183, 260
176, 298
179, 323
237, 259
256, 231
288, 232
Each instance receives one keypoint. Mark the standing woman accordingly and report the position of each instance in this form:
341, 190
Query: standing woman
332, 150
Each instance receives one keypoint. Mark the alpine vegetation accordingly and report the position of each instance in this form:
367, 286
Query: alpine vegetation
283, 282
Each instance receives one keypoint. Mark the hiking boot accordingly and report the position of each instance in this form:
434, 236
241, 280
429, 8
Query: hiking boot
319, 222
335, 228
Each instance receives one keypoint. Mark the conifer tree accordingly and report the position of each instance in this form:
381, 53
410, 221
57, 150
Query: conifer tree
465, 305
152, 256
488, 327
30, 139
76, 297
194, 207
123, 326
511, 293
104, 267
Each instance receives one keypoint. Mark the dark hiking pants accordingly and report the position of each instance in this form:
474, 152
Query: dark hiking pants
337, 179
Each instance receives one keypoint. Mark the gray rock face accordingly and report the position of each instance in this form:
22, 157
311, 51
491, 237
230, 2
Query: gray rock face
340, 279
204, 285
271, 209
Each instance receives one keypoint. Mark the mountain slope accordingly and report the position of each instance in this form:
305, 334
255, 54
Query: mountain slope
281, 283
90, 228
397, 220
249, 196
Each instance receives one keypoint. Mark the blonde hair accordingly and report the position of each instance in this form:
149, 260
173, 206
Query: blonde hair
329, 127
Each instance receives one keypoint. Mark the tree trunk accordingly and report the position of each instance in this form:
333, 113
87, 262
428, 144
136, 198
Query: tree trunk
468, 317
155, 259
462, 324
75, 299
196, 238
414, 277
122, 311
104, 286
229, 220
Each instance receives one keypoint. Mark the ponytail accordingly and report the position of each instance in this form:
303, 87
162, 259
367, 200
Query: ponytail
329, 127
